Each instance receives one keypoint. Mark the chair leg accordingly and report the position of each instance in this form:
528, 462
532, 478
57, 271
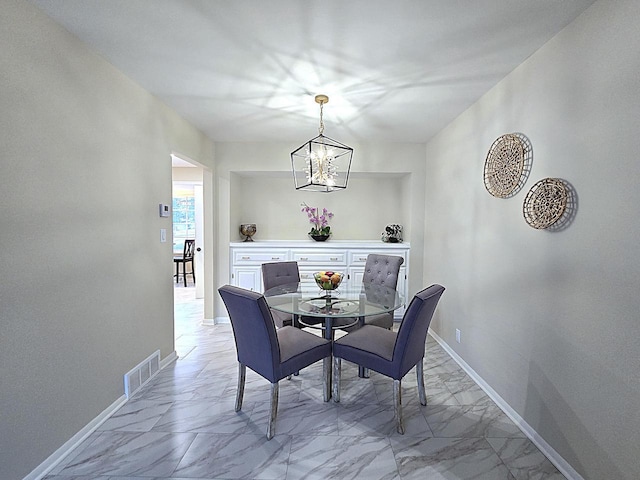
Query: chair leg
337, 366
273, 410
397, 405
420, 375
242, 374
193, 271
184, 272
177, 272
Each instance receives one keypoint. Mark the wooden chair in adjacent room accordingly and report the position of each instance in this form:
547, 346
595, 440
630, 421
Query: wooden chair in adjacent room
186, 257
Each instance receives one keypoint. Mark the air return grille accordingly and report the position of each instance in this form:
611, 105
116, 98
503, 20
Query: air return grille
141, 374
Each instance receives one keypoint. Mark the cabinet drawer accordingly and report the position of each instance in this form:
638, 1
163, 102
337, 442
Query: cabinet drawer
253, 257
323, 259
359, 257
306, 275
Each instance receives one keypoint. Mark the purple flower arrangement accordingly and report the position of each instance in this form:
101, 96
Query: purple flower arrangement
319, 220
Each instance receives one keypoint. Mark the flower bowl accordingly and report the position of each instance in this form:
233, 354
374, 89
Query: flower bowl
328, 280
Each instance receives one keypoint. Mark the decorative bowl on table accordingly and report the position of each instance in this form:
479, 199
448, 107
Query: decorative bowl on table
328, 280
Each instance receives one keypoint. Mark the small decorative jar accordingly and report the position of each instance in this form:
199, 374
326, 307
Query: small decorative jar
392, 233
248, 230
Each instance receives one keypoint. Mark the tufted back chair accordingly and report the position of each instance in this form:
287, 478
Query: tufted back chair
379, 271
382, 270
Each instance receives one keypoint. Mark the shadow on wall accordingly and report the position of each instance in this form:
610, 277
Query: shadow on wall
549, 415
571, 210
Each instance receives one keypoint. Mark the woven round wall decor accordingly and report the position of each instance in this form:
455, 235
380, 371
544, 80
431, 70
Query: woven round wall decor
504, 166
545, 203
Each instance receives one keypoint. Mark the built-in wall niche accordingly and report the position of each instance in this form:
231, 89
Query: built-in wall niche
361, 211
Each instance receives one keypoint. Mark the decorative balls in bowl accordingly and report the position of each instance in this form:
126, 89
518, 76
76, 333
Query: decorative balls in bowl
328, 280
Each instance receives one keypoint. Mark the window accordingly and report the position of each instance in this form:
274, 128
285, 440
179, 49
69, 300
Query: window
184, 215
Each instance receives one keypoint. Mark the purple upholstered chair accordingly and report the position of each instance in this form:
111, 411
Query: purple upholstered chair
275, 274
379, 271
389, 353
273, 354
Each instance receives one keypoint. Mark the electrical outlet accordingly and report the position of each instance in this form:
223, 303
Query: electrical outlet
458, 335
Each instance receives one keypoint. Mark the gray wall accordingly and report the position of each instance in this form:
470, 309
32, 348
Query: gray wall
551, 320
86, 292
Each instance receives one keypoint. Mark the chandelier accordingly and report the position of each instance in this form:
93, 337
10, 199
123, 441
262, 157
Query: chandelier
321, 164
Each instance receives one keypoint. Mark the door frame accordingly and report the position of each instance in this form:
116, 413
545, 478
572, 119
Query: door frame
205, 272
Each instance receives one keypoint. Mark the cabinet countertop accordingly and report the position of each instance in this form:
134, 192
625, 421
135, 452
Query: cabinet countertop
314, 244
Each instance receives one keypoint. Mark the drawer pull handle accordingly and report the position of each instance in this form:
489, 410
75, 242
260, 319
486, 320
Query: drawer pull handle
275, 258
246, 258
363, 259
304, 259
334, 259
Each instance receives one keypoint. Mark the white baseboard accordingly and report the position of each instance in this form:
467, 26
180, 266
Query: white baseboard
172, 357
221, 320
56, 457
554, 457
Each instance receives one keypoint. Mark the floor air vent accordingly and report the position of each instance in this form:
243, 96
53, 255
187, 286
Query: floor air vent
141, 373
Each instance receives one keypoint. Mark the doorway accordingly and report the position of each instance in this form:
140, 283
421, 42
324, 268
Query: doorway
189, 191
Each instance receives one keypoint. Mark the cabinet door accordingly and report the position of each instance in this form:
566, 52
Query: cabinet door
247, 277
355, 275
402, 290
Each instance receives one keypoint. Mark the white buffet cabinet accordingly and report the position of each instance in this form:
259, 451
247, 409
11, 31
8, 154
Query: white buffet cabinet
348, 257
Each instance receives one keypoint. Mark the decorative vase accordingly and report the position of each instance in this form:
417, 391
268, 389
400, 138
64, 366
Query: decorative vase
248, 230
392, 233
319, 238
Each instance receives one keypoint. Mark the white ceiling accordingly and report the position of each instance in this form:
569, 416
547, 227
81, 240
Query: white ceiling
248, 70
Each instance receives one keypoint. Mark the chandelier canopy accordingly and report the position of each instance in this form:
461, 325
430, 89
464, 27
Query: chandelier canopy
321, 164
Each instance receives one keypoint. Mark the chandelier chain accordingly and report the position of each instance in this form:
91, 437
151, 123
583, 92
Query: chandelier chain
321, 127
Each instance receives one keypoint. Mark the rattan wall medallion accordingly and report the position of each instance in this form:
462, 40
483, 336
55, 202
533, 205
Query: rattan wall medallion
545, 203
504, 168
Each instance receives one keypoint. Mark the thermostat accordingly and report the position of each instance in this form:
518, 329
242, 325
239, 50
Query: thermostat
164, 210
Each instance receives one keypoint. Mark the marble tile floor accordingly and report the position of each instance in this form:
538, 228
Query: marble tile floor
182, 425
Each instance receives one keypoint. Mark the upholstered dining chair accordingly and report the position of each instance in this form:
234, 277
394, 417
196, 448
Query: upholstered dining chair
186, 257
273, 354
379, 270
389, 353
275, 274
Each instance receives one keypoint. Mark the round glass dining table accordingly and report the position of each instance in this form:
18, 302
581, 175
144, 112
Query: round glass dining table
330, 310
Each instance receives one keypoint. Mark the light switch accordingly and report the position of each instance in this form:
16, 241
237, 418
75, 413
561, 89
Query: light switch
163, 235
